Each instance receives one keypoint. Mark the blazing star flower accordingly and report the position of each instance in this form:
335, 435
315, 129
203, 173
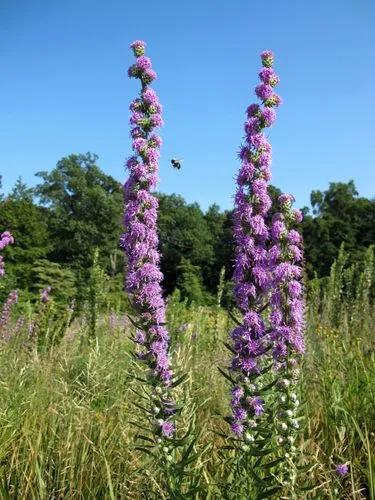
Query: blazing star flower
252, 274
140, 242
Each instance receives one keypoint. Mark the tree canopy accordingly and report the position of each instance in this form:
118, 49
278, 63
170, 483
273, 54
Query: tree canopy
77, 208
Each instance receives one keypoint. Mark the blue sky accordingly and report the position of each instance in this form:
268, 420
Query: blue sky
64, 88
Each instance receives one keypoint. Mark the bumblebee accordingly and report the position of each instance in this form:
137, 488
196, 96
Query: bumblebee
176, 163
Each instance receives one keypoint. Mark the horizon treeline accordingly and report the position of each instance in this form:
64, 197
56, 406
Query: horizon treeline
76, 208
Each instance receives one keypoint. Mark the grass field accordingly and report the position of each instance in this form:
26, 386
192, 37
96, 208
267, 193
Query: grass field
65, 415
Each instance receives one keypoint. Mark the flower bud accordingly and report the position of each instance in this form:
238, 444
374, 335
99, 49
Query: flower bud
249, 437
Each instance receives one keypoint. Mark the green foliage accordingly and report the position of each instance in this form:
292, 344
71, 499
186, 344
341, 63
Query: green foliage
96, 292
81, 210
184, 233
82, 401
189, 282
85, 207
29, 225
61, 279
48, 327
340, 216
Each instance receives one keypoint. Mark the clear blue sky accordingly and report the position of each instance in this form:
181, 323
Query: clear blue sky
64, 89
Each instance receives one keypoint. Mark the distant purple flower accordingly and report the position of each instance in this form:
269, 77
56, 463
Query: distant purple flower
44, 296
7, 309
285, 199
256, 404
252, 110
6, 239
342, 469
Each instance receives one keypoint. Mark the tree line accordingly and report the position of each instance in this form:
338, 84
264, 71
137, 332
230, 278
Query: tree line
76, 208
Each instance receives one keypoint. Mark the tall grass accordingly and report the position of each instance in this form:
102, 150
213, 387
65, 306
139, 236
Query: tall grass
65, 414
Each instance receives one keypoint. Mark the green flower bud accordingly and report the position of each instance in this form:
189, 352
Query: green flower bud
249, 437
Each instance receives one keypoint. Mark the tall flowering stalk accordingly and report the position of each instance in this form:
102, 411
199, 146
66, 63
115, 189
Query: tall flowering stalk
267, 342
143, 284
252, 278
140, 243
287, 325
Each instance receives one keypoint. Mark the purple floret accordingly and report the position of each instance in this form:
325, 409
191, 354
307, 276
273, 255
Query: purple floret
342, 469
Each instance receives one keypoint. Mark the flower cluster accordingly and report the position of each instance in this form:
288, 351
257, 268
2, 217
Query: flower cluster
252, 276
140, 241
5, 239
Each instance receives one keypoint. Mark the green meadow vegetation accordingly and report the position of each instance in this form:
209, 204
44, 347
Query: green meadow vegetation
67, 403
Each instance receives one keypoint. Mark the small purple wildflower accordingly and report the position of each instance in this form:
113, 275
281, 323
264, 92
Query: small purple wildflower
167, 429
44, 296
342, 469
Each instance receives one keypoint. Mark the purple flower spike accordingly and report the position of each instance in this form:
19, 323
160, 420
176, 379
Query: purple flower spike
252, 276
140, 243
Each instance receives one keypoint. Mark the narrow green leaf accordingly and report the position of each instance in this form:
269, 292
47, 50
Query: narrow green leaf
268, 493
269, 465
144, 450
266, 388
228, 377
180, 380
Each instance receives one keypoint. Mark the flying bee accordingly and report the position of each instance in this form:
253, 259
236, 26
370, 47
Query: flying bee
176, 163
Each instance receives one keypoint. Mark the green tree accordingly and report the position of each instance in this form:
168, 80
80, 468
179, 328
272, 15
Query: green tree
189, 282
61, 280
86, 207
184, 232
339, 216
29, 225
220, 227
